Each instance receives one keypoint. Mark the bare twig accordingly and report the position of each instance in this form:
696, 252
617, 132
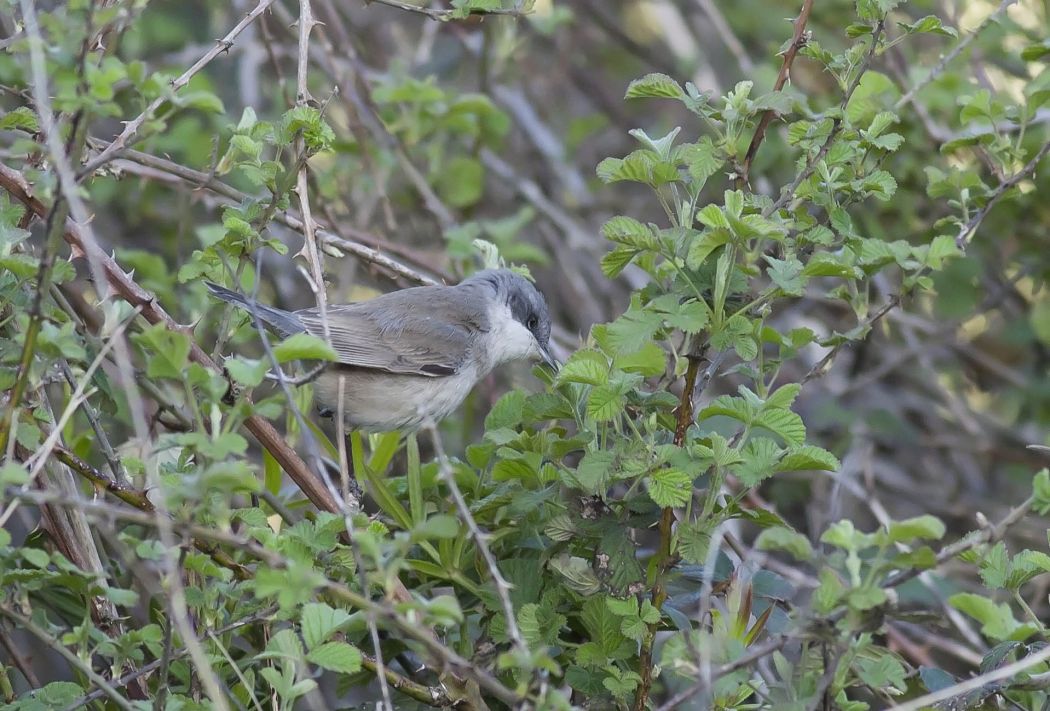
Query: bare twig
947, 59
962, 239
480, 540
1003, 672
74, 661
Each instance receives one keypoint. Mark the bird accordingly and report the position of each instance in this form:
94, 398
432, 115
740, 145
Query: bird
410, 357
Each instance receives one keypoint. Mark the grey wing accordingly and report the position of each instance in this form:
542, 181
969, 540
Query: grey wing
422, 331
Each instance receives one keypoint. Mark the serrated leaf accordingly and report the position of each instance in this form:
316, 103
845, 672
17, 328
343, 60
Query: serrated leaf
670, 487
604, 403
786, 274
702, 245
759, 461
629, 232
320, 621
808, 457
585, 366
784, 423
654, 85
336, 656
729, 406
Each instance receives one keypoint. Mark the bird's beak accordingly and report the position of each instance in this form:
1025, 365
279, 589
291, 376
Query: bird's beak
548, 358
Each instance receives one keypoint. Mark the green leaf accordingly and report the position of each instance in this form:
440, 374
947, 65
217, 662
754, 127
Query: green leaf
997, 621
781, 538
319, 621
712, 216
617, 260
919, 528
702, 159
246, 371
602, 626
593, 473
703, 244
784, 423
507, 411
21, 118
1041, 492
786, 274
807, 458
654, 85
633, 329
605, 403
942, 248
760, 457
629, 232
303, 346
585, 366
170, 351
670, 487
729, 406
336, 656
930, 24
647, 361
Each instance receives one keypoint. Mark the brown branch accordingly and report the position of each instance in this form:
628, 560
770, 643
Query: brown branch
15, 184
798, 41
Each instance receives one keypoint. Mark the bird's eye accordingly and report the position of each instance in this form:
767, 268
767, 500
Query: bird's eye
532, 323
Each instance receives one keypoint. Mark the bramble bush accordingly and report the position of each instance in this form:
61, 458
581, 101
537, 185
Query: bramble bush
647, 528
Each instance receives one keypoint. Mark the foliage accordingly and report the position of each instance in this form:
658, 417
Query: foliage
643, 528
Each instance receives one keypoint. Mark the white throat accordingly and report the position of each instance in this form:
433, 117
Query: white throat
508, 339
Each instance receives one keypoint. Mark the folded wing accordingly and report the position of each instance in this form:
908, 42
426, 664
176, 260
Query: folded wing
426, 331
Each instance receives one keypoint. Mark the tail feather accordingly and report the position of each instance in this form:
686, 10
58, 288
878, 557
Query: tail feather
285, 323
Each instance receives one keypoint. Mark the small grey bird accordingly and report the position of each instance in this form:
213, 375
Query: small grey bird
411, 356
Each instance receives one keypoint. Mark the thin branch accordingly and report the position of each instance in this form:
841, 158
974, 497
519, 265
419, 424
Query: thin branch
947, 59
74, 661
159, 663
977, 682
132, 126
962, 239
480, 539
450, 14
289, 219
798, 41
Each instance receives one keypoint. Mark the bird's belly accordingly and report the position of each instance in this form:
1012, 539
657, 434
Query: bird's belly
382, 402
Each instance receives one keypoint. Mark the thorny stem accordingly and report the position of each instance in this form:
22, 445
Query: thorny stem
665, 556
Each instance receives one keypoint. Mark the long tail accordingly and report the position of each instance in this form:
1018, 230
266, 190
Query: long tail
284, 322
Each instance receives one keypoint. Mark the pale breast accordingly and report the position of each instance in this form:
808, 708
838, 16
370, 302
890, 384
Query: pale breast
382, 402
